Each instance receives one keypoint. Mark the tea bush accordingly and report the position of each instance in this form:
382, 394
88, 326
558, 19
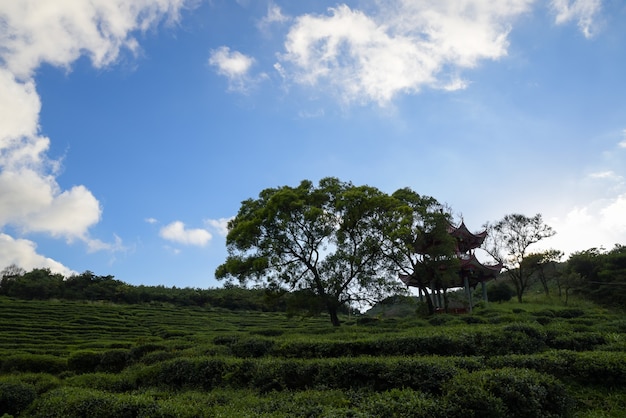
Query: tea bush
34, 363
113, 361
70, 402
511, 393
84, 361
15, 397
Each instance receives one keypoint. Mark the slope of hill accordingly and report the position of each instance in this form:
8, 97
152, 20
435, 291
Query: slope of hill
64, 359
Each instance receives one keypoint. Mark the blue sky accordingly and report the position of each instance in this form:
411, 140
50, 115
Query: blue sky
131, 130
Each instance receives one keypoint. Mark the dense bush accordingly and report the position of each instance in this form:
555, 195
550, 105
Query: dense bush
601, 368
114, 361
70, 402
511, 393
84, 361
15, 397
500, 292
103, 381
34, 363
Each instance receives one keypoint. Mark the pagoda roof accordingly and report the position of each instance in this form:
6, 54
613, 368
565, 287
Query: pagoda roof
466, 240
477, 272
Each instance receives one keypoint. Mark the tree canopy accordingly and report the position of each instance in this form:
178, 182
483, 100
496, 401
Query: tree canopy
508, 242
344, 243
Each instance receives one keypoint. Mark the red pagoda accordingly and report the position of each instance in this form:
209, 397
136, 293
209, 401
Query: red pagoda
471, 271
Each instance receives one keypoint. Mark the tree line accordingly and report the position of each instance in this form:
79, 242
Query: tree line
42, 284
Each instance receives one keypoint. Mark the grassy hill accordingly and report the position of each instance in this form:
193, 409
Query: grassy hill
65, 359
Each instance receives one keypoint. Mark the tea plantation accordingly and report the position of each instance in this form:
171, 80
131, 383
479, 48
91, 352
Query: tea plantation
78, 359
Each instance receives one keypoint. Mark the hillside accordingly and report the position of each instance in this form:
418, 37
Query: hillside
64, 359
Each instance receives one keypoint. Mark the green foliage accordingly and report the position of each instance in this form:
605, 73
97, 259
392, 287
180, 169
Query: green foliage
500, 292
114, 361
15, 397
326, 242
224, 363
506, 392
70, 402
603, 274
601, 368
509, 240
84, 361
34, 363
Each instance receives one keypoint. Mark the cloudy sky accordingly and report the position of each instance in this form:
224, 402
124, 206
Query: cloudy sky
131, 130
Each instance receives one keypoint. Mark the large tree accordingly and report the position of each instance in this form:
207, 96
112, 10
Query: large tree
508, 241
417, 243
323, 239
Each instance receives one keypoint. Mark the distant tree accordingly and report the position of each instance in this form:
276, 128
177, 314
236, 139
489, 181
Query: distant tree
416, 242
571, 281
8, 276
12, 270
543, 264
36, 284
324, 239
603, 274
508, 241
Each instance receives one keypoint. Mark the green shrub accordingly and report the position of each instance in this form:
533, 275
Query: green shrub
85, 361
71, 402
113, 361
500, 292
200, 373
137, 353
601, 368
42, 382
575, 341
15, 397
251, 347
441, 319
570, 313
507, 392
471, 319
157, 357
102, 381
34, 363
401, 403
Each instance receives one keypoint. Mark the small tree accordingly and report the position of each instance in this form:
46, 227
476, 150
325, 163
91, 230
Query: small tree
508, 241
543, 264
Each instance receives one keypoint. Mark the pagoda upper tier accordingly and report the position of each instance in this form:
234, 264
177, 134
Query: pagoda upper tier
465, 239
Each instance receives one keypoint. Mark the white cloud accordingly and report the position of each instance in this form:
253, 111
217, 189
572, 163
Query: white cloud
407, 46
581, 11
219, 225
598, 224
23, 253
151, 220
177, 232
57, 33
34, 32
234, 65
274, 15
622, 143
606, 175
94, 245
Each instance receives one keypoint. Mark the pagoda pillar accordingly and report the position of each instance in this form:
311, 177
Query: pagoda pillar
482, 284
468, 292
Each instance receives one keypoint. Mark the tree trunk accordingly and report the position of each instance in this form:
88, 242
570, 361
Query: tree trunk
334, 318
